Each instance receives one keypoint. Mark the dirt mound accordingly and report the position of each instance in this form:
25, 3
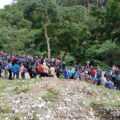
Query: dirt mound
54, 99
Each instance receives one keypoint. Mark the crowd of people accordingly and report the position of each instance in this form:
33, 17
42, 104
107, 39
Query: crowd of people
16, 67
109, 78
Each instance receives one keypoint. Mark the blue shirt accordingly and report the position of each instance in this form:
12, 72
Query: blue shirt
15, 68
71, 72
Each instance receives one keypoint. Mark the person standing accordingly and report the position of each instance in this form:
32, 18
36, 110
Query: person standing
22, 70
45, 70
6, 65
10, 70
34, 70
40, 70
0, 68
52, 71
77, 72
15, 70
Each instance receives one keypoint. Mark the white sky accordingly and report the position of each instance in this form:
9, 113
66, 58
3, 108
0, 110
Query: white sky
4, 2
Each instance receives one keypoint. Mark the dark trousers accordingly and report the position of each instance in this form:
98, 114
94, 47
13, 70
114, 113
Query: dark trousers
10, 74
16, 74
58, 74
23, 75
34, 74
99, 81
41, 74
30, 74
45, 75
0, 72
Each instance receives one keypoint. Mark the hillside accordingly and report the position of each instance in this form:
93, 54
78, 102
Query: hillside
45, 27
55, 99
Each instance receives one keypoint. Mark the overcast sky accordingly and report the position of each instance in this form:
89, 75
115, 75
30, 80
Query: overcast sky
4, 2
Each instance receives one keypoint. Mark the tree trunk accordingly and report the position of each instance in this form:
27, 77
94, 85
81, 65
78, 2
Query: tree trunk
47, 40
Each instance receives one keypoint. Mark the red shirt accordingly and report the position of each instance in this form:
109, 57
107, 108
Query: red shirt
40, 69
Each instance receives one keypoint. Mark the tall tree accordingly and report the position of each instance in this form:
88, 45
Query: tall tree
42, 13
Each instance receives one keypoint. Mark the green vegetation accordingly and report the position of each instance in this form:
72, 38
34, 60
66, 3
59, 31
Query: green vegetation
16, 86
21, 90
73, 30
50, 96
35, 116
5, 109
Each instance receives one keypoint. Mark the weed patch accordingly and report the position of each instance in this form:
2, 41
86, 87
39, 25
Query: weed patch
50, 96
5, 109
19, 90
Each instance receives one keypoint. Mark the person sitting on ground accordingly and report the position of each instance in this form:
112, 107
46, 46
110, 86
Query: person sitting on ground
92, 79
66, 73
99, 76
71, 73
92, 75
113, 69
110, 85
108, 74
117, 81
92, 71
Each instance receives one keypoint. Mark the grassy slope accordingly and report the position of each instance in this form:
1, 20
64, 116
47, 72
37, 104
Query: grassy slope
106, 96
88, 95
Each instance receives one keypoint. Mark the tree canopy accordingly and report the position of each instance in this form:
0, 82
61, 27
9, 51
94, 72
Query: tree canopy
80, 29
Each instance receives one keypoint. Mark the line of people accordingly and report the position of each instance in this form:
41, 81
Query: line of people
16, 67
110, 78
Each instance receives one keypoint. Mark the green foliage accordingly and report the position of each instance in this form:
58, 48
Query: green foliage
78, 28
104, 52
40, 12
7, 37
